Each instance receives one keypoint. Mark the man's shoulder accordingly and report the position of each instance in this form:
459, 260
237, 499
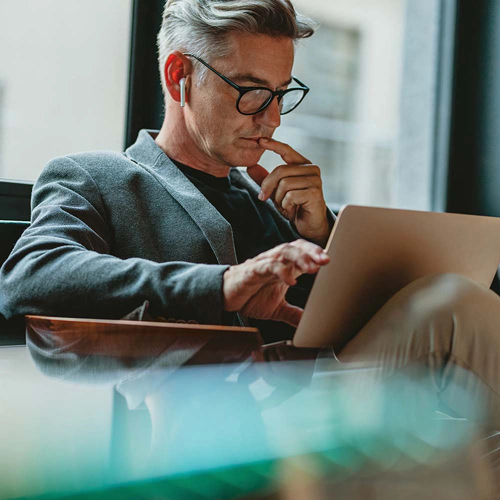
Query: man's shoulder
89, 172
96, 164
93, 160
143, 153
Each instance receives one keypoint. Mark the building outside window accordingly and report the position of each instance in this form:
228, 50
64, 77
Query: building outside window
369, 119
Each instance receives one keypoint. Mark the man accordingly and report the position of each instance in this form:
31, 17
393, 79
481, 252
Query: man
135, 227
172, 222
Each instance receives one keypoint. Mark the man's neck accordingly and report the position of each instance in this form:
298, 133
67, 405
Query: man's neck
175, 142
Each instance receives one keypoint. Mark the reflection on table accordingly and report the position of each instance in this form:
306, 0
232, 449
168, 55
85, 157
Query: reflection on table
95, 420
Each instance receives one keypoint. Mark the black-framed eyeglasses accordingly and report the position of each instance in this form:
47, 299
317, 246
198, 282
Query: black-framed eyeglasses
253, 100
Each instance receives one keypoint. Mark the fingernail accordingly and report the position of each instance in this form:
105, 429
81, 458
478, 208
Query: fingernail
261, 196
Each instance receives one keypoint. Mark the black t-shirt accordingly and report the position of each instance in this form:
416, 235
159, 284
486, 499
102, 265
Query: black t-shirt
254, 231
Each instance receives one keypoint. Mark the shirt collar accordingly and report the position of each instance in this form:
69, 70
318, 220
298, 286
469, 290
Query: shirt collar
145, 150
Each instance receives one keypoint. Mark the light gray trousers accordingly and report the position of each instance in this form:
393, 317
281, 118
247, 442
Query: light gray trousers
449, 324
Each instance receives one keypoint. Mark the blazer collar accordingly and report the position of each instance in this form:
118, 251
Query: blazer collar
146, 153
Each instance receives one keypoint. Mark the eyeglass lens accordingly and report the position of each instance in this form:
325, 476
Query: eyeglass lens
254, 100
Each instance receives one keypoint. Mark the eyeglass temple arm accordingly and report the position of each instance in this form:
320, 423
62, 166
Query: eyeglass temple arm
227, 80
301, 83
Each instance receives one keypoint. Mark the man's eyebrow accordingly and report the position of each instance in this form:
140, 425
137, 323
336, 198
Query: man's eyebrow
258, 81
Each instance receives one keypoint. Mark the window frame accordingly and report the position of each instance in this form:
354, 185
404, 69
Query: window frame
474, 177
145, 108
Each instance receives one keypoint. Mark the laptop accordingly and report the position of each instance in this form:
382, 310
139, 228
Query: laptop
375, 252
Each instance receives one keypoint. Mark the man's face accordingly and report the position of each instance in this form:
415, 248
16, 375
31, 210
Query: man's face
220, 133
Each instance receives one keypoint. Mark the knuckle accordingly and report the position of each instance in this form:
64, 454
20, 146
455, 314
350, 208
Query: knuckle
277, 172
281, 251
284, 183
289, 198
281, 259
300, 243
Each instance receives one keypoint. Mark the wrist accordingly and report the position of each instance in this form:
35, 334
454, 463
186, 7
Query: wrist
322, 239
228, 294
329, 222
320, 236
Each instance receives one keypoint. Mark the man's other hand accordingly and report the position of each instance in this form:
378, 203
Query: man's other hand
257, 287
296, 190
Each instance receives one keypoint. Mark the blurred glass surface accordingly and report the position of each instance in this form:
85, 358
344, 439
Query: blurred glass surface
63, 80
95, 424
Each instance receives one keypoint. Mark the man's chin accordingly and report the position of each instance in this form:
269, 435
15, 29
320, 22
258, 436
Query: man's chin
248, 157
249, 161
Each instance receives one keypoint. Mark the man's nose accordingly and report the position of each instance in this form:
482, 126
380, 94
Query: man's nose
270, 117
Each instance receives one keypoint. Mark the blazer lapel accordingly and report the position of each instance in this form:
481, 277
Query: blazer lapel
215, 228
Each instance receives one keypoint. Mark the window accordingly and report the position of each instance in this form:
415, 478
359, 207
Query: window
369, 120
63, 80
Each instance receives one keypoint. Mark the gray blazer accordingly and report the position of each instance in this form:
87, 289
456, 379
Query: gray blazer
110, 230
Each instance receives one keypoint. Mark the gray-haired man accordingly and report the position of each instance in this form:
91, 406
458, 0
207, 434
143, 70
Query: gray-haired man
170, 220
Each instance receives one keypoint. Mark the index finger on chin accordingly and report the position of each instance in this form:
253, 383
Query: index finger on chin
286, 152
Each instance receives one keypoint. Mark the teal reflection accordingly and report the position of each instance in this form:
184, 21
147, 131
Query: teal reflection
225, 430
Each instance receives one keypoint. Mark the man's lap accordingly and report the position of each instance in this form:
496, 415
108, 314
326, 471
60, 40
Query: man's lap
445, 323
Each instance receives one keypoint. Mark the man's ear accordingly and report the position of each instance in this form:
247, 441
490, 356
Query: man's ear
176, 68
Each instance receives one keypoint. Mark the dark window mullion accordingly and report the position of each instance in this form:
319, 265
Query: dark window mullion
145, 99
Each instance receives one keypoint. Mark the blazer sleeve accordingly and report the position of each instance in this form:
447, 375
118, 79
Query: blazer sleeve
62, 265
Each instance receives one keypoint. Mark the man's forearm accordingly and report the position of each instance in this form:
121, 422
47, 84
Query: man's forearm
68, 281
64, 263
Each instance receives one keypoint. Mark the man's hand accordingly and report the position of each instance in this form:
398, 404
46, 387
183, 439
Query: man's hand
296, 190
257, 287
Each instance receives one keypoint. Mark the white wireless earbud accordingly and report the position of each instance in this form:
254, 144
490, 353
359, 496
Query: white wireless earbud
182, 84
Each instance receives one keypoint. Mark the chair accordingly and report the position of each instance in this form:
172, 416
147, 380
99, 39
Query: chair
12, 330
15, 200
15, 211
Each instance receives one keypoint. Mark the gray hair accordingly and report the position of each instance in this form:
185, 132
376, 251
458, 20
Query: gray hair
202, 26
